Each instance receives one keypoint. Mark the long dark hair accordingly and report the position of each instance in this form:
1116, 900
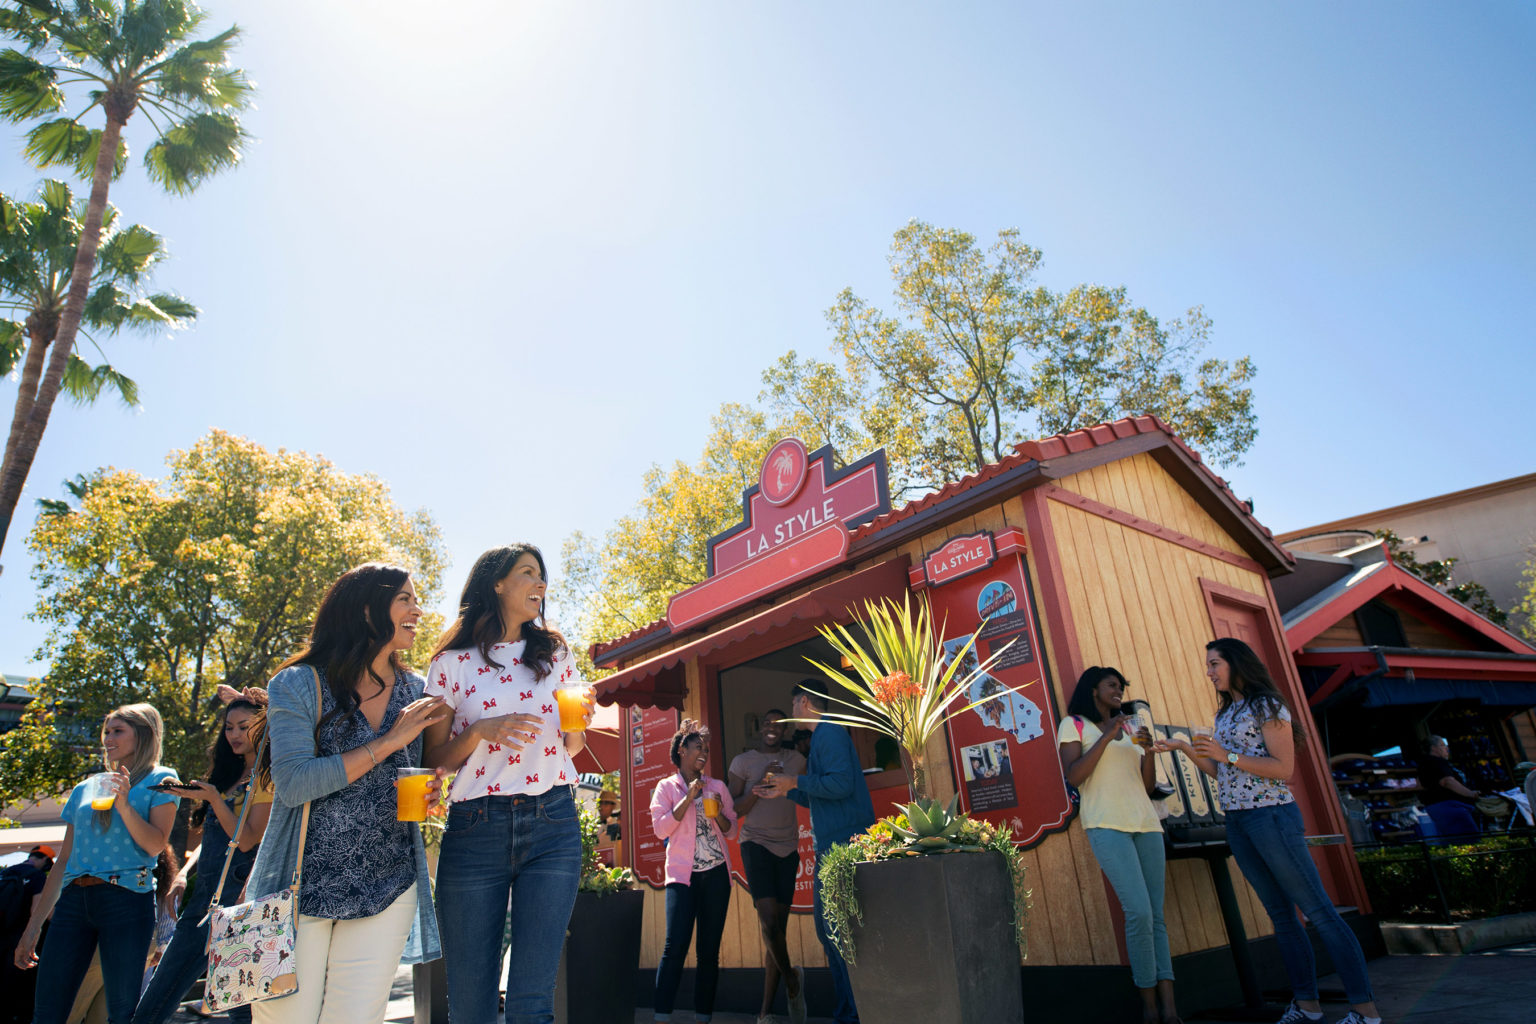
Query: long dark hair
352, 625
224, 765
479, 622
1082, 703
1249, 674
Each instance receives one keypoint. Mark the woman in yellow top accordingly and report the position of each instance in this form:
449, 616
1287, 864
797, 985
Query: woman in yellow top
1115, 779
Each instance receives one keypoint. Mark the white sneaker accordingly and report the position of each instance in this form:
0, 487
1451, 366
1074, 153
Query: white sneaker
797, 1003
1294, 1015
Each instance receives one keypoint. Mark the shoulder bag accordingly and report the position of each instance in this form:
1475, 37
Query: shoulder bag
251, 945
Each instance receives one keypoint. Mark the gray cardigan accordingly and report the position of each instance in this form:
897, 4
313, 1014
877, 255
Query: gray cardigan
299, 776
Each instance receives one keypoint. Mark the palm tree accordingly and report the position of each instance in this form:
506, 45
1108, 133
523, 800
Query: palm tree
128, 57
38, 243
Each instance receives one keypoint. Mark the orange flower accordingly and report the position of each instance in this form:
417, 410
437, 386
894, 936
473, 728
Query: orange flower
895, 687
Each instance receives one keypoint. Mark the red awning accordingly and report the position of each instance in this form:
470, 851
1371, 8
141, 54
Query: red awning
660, 681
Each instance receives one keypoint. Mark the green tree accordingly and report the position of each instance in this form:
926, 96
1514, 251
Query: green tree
1526, 599
160, 590
975, 358
38, 242
1441, 573
121, 58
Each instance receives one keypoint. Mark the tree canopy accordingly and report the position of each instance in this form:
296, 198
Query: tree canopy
160, 590
973, 357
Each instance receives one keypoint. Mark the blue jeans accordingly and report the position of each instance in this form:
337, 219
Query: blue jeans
705, 899
527, 848
186, 957
121, 922
1134, 864
845, 1012
1452, 818
1270, 846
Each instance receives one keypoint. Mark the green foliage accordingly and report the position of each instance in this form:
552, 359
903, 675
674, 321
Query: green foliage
890, 838
1527, 599
160, 590
1487, 878
1440, 573
595, 876
973, 358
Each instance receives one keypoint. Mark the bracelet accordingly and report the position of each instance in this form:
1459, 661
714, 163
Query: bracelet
369, 747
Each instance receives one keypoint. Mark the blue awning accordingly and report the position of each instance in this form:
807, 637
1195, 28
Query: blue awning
1386, 692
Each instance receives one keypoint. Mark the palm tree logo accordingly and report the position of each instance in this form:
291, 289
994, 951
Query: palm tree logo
783, 470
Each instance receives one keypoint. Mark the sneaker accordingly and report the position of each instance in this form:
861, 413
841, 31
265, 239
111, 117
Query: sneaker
1352, 1017
1293, 1015
797, 1003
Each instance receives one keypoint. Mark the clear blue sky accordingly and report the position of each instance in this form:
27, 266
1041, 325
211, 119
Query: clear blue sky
494, 234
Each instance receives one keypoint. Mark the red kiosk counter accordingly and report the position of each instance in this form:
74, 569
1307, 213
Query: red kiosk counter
1111, 546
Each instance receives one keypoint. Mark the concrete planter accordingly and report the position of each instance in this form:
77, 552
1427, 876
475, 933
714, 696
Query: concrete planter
937, 941
596, 984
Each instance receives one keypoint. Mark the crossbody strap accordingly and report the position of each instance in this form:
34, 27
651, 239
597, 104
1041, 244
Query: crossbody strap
234, 840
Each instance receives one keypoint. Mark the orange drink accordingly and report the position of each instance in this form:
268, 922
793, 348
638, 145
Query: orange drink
712, 807
99, 791
573, 707
412, 788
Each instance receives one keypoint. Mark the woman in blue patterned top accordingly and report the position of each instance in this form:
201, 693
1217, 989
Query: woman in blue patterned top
364, 892
1252, 756
103, 880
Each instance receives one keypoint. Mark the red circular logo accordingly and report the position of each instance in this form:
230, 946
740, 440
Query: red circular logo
783, 471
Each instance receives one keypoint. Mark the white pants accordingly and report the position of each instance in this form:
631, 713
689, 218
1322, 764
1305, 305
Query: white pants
345, 968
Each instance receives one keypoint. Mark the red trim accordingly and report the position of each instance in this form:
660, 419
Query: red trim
1058, 493
1389, 577
1054, 601
1461, 668
1340, 676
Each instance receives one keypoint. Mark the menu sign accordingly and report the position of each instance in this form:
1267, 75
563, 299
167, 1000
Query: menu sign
1004, 750
647, 760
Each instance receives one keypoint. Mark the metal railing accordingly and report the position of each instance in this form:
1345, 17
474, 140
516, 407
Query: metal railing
1450, 879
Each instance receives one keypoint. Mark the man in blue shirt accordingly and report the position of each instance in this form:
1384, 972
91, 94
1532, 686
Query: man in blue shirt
834, 790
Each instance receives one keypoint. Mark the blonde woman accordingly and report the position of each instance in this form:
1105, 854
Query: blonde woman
101, 891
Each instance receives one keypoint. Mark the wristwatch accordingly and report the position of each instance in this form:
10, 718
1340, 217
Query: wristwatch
1232, 757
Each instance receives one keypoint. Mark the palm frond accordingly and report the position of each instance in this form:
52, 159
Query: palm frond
107, 306
127, 254
192, 151
56, 196
84, 383
28, 87
13, 342
85, 160
24, 26
172, 309
55, 142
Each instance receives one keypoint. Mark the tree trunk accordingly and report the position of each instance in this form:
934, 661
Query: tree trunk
918, 784
26, 393
14, 475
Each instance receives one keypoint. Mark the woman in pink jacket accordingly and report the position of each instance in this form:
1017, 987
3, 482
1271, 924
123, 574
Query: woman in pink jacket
693, 815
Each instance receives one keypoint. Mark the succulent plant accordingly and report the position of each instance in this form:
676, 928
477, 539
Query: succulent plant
930, 825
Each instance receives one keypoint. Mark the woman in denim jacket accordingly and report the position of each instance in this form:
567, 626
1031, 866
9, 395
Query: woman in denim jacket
698, 874
364, 896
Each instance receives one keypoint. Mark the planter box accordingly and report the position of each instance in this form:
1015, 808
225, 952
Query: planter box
937, 941
596, 983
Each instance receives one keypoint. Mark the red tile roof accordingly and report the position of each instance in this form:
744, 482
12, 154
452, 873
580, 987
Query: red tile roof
1042, 450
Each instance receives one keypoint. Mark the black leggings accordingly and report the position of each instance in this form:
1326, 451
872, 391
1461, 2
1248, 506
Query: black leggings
706, 901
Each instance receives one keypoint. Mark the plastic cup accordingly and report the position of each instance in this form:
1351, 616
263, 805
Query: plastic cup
1140, 716
712, 807
99, 791
573, 707
411, 793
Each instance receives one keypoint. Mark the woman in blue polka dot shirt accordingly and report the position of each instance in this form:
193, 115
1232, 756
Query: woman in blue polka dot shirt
101, 891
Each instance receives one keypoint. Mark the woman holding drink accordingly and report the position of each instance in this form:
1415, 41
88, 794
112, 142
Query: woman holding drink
101, 891
228, 786
345, 716
1251, 755
517, 715
1104, 754
698, 876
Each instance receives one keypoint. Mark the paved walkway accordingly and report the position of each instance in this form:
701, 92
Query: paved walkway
1494, 987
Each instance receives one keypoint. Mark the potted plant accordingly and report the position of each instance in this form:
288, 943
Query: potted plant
928, 907
603, 940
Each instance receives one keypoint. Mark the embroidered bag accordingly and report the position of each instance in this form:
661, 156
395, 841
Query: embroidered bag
251, 945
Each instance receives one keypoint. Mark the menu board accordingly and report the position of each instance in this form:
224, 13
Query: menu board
647, 760
1003, 751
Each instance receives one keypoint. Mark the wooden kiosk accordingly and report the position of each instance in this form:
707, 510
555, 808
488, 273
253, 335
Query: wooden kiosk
1108, 546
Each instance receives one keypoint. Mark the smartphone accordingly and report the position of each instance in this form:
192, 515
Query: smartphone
171, 787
